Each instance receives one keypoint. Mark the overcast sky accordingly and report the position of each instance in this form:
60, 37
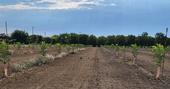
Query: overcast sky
99, 17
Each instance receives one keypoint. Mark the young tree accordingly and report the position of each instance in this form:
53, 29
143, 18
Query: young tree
117, 49
135, 49
59, 47
4, 57
73, 47
43, 48
159, 53
18, 44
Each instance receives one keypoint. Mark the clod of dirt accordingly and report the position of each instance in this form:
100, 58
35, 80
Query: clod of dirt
81, 57
72, 53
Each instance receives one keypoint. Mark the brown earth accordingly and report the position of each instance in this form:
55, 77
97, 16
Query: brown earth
94, 68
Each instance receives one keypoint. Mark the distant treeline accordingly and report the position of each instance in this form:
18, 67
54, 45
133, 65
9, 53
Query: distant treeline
72, 38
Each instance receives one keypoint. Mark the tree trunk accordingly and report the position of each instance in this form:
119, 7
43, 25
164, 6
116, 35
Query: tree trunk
134, 60
117, 54
6, 70
158, 72
163, 64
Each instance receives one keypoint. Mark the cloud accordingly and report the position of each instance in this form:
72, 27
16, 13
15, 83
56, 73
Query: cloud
57, 4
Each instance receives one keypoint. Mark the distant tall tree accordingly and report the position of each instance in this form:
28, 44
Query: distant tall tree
120, 40
64, 38
83, 39
151, 41
101, 40
92, 40
160, 38
111, 40
55, 39
145, 39
35, 39
20, 36
47, 40
130, 39
145, 34
74, 38
4, 37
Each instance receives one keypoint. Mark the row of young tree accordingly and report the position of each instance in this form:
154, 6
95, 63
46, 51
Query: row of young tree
5, 54
159, 52
72, 38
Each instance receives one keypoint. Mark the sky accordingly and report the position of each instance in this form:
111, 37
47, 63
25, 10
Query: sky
98, 17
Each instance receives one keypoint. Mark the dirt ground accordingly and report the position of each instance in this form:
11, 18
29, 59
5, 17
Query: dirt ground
94, 68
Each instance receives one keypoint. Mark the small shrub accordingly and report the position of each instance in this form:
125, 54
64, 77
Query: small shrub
135, 49
18, 45
159, 53
59, 47
117, 49
41, 61
4, 56
31, 63
43, 48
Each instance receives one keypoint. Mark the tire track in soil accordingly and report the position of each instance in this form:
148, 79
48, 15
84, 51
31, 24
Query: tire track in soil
105, 71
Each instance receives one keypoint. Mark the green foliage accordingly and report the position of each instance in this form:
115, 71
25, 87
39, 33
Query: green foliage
35, 39
120, 40
67, 47
130, 39
20, 36
101, 40
18, 44
110, 40
59, 47
159, 52
4, 53
160, 38
43, 48
83, 39
72, 38
55, 38
116, 49
135, 49
47, 40
92, 40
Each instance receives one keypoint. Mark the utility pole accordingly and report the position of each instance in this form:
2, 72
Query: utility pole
6, 28
32, 30
166, 32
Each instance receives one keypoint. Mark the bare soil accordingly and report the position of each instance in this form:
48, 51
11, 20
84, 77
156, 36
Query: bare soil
94, 68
